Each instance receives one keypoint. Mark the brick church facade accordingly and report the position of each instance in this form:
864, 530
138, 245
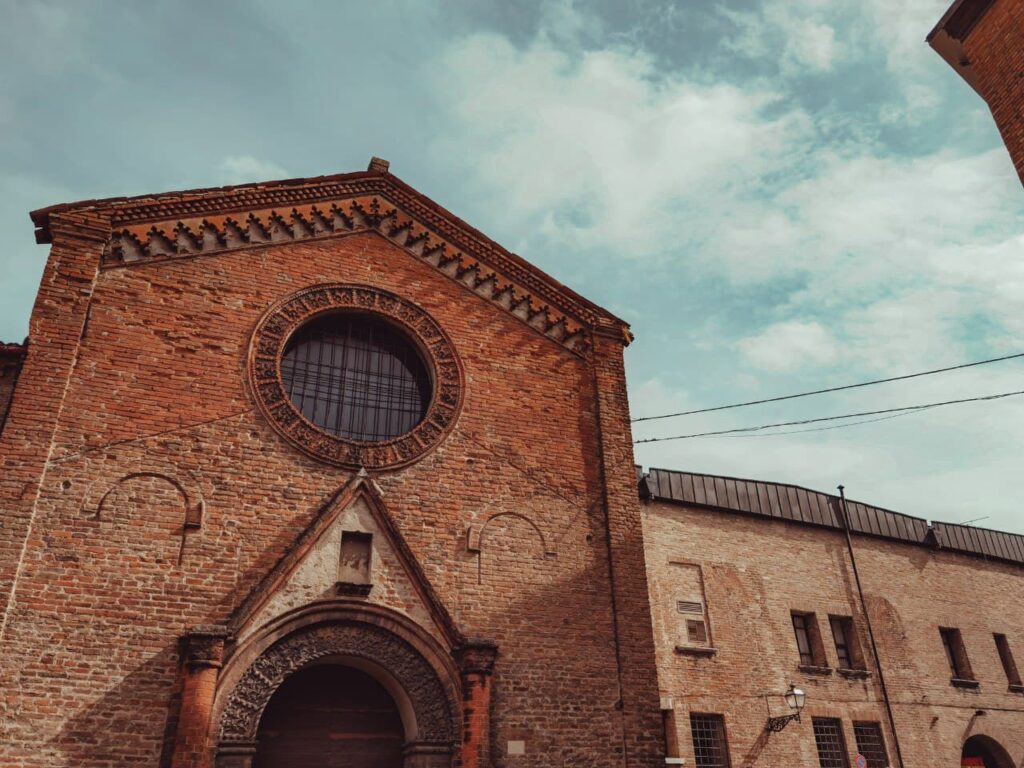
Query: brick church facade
313, 473
180, 538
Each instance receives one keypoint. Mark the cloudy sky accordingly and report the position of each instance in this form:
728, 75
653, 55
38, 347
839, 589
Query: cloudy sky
779, 195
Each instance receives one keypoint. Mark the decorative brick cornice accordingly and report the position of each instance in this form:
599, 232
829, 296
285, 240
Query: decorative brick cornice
87, 225
201, 222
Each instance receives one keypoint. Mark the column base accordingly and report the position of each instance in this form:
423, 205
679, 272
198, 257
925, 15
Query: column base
239, 754
420, 755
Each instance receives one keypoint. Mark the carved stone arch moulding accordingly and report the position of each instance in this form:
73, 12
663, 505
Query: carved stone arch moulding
434, 717
284, 318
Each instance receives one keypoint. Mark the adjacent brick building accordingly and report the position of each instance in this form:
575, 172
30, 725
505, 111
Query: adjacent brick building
753, 589
983, 40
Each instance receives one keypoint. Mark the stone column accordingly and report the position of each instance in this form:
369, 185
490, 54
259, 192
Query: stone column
204, 654
476, 663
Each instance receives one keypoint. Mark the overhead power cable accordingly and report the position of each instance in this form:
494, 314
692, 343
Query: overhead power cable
830, 418
831, 389
833, 426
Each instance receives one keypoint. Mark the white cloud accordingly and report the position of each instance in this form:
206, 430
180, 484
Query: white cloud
854, 260
789, 346
242, 169
603, 150
812, 45
797, 36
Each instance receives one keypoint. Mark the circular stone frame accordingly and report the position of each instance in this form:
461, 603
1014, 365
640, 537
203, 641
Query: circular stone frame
285, 317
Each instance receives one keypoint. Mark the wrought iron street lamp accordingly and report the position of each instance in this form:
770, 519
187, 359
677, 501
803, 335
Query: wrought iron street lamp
795, 699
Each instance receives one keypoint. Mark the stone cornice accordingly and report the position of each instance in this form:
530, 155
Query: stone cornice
206, 222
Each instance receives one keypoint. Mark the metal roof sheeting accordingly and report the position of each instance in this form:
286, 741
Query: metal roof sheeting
802, 505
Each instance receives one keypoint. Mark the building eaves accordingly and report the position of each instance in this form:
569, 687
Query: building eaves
286, 193
804, 506
948, 36
960, 18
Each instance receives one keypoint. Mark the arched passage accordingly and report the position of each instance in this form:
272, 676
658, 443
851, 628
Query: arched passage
984, 752
330, 716
369, 647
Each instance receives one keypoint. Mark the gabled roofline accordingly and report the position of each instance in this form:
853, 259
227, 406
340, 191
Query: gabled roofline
41, 216
960, 18
197, 203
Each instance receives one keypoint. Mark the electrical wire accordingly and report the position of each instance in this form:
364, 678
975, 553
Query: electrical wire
834, 426
831, 389
831, 418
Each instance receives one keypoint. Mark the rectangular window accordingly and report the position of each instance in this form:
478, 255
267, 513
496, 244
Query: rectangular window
1006, 656
692, 625
828, 736
871, 744
847, 644
709, 746
803, 639
956, 654
808, 640
696, 632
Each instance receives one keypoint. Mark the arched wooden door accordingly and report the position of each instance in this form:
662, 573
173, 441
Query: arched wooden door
330, 716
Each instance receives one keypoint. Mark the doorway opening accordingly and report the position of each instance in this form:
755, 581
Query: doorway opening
984, 752
330, 716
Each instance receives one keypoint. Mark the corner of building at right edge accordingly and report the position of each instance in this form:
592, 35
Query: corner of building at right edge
983, 41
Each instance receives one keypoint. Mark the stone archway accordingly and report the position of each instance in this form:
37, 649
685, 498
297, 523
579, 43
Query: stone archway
984, 752
425, 704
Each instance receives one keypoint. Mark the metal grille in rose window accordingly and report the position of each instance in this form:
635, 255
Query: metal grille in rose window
356, 377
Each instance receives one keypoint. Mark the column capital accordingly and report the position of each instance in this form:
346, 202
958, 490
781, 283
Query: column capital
204, 645
477, 655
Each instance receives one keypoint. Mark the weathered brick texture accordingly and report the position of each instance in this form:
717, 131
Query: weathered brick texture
995, 50
757, 571
133, 408
983, 40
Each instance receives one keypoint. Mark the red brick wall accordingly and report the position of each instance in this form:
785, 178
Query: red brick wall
89, 667
757, 571
995, 49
